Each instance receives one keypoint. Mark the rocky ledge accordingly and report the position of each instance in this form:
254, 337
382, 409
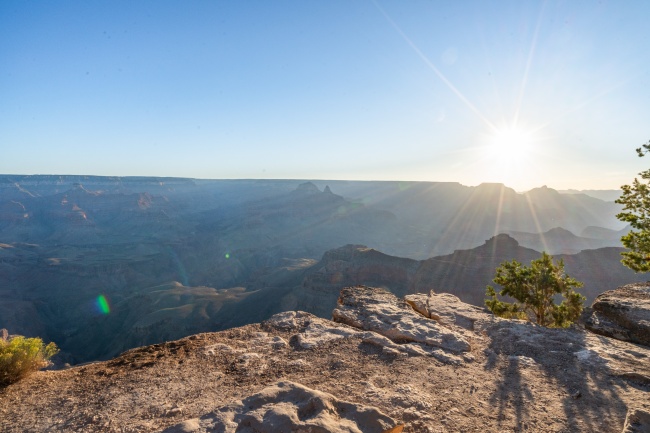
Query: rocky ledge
623, 313
426, 363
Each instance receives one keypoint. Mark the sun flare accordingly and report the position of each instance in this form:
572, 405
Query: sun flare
512, 145
508, 156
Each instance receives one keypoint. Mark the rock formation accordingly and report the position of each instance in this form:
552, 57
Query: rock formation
448, 310
623, 313
380, 311
428, 364
289, 407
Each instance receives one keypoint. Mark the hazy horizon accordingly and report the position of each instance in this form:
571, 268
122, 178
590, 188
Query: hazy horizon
562, 190
524, 94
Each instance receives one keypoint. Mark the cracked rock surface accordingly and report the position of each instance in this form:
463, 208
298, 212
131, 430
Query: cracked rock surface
497, 376
380, 311
288, 407
623, 313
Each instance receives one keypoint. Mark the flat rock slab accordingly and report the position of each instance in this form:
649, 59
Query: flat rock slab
449, 310
380, 311
623, 314
313, 332
289, 407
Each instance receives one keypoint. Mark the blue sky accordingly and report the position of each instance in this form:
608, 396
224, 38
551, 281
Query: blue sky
526, 93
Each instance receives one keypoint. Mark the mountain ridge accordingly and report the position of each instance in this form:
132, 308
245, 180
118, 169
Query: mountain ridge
75, 239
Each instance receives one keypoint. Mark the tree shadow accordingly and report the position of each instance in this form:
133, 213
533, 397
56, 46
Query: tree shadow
545, 366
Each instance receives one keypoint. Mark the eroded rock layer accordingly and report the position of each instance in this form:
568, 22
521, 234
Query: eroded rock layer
623, 314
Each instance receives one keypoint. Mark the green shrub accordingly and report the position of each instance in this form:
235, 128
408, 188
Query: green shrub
20, 356
534, 288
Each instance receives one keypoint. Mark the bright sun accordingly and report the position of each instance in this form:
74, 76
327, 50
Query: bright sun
510, 145
508, 156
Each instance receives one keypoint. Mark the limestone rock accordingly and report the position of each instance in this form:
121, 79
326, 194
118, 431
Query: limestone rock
637, 421
313, 332
623, 314
380, 311
289, 320
289, 407
448, 310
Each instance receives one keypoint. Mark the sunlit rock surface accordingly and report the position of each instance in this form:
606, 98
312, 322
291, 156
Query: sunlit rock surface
298, 371
289, 407
623, 313
380, 311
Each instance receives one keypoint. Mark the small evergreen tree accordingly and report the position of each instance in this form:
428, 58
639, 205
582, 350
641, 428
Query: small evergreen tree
636, 211
534, 288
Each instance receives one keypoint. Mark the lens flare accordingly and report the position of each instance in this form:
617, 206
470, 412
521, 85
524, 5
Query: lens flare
180, 268
102, 304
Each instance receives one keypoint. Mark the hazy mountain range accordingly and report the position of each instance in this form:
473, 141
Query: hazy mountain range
101, 264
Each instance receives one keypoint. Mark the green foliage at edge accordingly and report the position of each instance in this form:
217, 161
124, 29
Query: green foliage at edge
534, 288
636, 212
20, 356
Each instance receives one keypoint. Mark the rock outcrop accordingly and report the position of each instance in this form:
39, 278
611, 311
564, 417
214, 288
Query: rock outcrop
449, 310
300, 373
312, 332
380, 311
623, 313
289, 407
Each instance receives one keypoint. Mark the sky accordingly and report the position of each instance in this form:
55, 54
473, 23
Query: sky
526, 93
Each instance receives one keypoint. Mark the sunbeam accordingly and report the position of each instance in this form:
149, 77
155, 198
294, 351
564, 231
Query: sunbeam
433, 67
529, 62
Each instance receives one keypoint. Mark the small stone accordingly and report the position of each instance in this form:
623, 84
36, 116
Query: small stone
188, 426
279, 343
391, 351
637, 421
175, 411
467, 357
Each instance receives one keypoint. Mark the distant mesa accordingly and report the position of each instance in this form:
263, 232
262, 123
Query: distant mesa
559, 231
604, 233
543, 191
502, 240
308, 187
491, 185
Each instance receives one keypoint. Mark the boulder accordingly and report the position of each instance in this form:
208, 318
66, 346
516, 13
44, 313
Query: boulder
289, 407
449, 310
380, 311
623, 313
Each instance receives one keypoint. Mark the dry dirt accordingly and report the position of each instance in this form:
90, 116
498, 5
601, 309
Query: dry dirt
519, 380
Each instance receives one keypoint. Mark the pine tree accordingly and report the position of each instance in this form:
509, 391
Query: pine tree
534, 288
636, 211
